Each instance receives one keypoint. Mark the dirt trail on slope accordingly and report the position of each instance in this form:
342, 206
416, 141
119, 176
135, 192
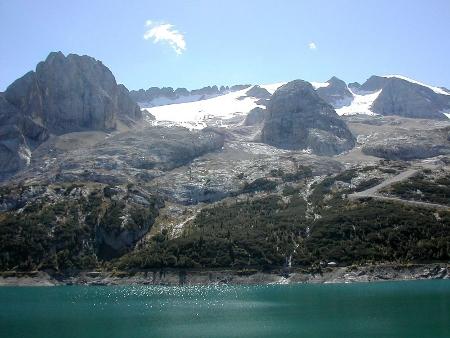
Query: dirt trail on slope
374, 191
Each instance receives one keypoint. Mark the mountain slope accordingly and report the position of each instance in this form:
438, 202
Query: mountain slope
65, 94
400, 96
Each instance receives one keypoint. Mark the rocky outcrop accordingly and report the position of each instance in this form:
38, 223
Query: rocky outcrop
258, 92
255, 116
404, 98
336, 93
72, 93
299, 119
155, 96
355, 86
74, 224
160, 148
64, 94
411, 145
136, 155
19, 134
373, 83
128, 110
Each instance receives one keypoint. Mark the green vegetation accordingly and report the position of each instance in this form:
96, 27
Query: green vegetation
259, 232
423, 187
64, 235
379, 231
301, 173
266, 231
260, 184
46, 236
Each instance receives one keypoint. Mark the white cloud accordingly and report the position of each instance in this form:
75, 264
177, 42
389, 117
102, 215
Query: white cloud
312, 45
165, 32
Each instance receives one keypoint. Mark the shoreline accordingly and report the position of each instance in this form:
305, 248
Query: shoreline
181, 277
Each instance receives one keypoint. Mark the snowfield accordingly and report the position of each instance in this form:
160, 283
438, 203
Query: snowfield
195, 115
361, 104
318, 85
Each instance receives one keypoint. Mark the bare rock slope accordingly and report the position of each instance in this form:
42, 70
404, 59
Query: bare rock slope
299, 119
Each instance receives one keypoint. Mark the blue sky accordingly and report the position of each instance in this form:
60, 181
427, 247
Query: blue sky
207, 42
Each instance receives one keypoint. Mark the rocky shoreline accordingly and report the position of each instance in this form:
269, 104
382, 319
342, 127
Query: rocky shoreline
172, 277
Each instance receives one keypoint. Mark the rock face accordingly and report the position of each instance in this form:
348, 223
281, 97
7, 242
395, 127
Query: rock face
411, 145
258, 92
64, 94
255, 116
354, 86
299, 119
112, 219
336, 93
155, 96
72, 93
18, 134
159, 148
404, 98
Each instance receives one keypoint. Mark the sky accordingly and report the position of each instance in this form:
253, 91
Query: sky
195, 43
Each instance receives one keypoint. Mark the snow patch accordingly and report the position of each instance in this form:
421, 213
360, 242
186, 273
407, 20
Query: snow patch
163, 101
437, 90
318, 85
219, 109
271, 88
361, 104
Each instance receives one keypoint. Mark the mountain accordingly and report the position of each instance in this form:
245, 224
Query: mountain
405, 97
347, 100
64, 94
335, 93
72, 93
400, 96
298, 118
278, 177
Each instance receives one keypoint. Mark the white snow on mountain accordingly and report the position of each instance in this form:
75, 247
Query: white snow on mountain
437, 90
163, 101
272, 86
199, 112
216, 110
361, 103
317, 85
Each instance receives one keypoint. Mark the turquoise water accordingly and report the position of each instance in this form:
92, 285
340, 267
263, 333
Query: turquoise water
388, 309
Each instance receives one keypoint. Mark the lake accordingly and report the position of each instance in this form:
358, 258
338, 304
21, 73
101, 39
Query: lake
384, 309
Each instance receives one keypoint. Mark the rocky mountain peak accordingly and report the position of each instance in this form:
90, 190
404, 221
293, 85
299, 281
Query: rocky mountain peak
64, 94
298, 118
336, 93
408, 98
373, 83
258, 92
72, 93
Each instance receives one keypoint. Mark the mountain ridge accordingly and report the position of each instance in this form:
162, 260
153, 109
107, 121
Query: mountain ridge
260, 180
